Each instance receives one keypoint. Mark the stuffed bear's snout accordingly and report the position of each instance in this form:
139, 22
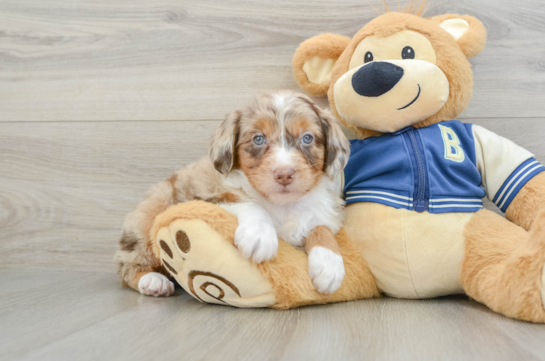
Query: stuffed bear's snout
389, 95
376, 78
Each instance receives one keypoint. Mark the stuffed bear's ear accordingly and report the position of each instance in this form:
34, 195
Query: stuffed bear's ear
314, 60
469, 33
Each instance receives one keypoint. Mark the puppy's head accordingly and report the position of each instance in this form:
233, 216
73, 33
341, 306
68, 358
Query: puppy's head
283, 143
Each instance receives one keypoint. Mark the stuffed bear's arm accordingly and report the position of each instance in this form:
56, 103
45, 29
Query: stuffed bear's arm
527, 203
512, 178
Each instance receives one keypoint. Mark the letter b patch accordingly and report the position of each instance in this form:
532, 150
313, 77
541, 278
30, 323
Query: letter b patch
453, 151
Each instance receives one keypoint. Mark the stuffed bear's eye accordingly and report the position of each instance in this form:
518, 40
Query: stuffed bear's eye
407, 53
307, 138
259, 139
368, 57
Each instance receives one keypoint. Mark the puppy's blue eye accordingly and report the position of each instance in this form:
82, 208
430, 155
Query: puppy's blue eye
307, 139
259, 140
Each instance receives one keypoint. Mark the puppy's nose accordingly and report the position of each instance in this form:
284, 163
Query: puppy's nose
376, 78
284, 176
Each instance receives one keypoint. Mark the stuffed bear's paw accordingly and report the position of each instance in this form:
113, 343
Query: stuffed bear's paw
326, 269
155, 284
257, 240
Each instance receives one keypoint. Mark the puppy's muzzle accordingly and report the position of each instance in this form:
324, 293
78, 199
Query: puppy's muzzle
284, 176
376, 78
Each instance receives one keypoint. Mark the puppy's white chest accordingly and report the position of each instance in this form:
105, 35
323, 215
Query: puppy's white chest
288, 228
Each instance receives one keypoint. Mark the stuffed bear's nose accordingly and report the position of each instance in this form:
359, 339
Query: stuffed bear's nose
376, 78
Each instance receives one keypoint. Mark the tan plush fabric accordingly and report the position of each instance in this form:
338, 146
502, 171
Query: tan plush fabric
383, 113
411, 255
200, 255
398, 252
418, 255
503, 265
450, 60
318, 70
288, 272
543, 286
528, 202
323, 46
210, 268
455, 27
451, 57
473, 40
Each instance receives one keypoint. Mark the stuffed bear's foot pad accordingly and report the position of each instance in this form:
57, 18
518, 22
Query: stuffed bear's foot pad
215, 286
207, 266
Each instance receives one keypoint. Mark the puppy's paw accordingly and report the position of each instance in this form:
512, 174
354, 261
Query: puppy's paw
257, 240
255, 235
326, 269
155, 284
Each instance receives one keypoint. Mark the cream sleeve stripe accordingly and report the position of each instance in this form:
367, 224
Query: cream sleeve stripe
504, 166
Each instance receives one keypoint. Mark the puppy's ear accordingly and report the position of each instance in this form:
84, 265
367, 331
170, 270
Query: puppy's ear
222, 148
469, 33
314, 60
337, 147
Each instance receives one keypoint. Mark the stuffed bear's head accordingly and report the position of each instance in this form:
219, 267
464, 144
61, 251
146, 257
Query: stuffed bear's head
399, 70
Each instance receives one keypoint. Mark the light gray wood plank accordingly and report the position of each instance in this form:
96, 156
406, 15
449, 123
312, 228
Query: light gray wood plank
88, 317
187, 60
65, 187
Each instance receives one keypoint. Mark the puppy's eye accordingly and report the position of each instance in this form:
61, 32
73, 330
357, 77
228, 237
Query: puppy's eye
259, 140
407, 53
307, 138
368, 57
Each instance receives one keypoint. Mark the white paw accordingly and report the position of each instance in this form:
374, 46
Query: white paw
326, 269
255, 235
155, 284
257, 240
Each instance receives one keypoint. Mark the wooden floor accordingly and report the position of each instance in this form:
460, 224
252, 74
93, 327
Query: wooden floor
87, 316
100, 99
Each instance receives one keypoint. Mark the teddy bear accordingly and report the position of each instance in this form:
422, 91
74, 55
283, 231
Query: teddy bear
415, 226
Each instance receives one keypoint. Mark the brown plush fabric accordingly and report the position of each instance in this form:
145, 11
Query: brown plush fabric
528, 202
503, 264
288, 275
327, 46
473, 40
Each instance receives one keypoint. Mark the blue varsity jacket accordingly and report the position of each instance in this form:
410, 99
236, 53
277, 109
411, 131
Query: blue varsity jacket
445, 167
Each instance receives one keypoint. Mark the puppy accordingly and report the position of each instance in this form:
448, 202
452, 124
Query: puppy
276, 164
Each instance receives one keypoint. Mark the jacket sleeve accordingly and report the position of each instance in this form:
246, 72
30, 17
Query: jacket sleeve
504, 166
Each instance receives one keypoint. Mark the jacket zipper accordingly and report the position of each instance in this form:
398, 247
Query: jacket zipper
420, 203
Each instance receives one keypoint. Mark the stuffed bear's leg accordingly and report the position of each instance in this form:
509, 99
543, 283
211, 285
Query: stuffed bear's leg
503, 265
195, 243
288, 273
